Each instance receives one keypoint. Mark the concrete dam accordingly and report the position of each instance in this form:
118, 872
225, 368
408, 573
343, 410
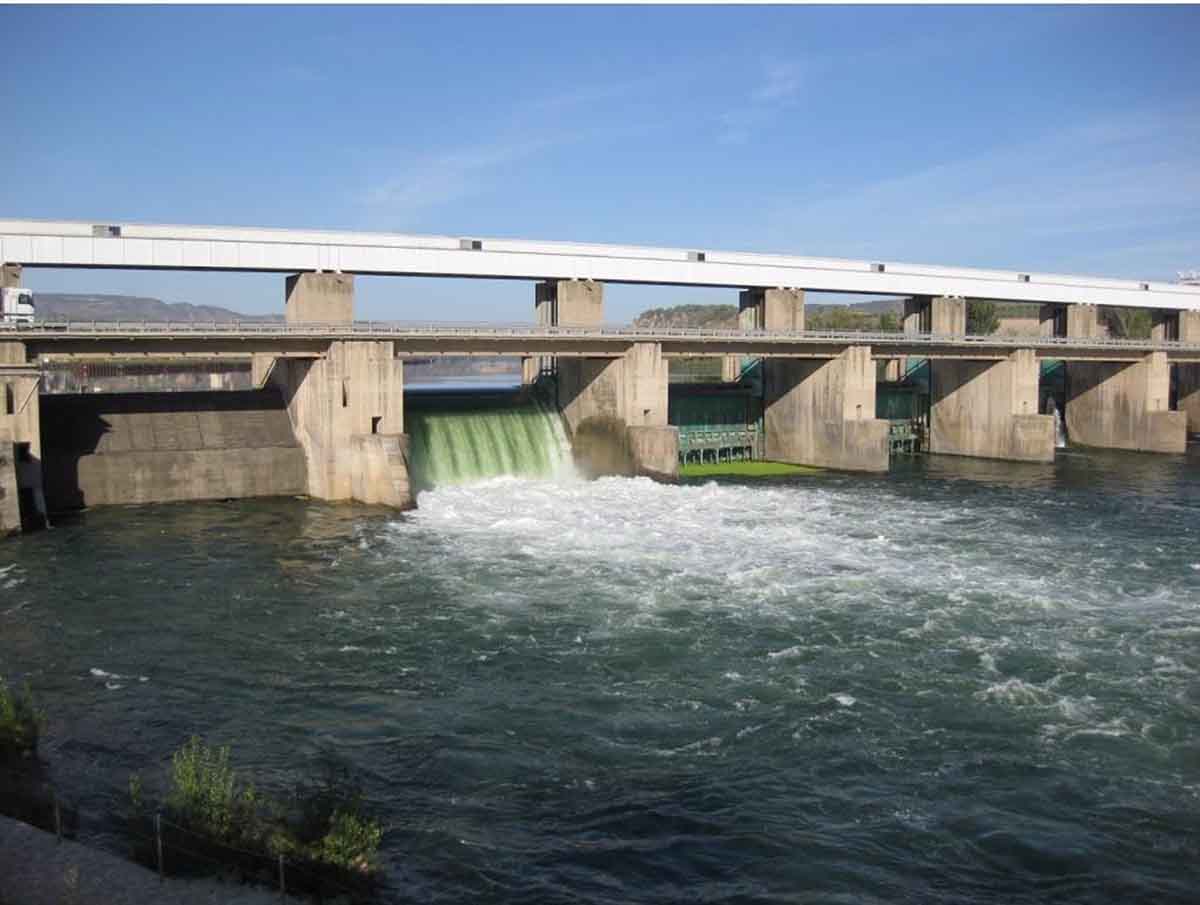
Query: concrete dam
327, 414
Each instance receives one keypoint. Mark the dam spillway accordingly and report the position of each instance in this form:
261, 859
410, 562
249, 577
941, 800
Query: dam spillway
459, 436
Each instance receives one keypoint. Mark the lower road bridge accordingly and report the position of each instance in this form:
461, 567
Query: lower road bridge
338, 385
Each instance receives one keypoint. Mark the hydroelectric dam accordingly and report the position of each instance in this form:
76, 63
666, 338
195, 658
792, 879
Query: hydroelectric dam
325, 411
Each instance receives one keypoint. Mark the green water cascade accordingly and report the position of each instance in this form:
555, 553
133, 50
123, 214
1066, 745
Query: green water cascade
460, 439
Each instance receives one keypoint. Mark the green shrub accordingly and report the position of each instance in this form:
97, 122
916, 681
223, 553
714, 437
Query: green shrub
20, 724
352, 842
206, 797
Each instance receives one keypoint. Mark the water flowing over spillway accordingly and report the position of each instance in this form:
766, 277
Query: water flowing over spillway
459, 441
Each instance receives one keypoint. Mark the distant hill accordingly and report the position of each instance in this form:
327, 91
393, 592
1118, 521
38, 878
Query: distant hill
64, 306
865, 315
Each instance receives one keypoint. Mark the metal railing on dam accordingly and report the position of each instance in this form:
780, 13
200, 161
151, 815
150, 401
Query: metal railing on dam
691, 336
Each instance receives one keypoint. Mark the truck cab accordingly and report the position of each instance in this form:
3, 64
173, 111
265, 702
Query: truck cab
16, 306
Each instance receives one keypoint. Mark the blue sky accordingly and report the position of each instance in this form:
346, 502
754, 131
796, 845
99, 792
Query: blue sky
1047, 138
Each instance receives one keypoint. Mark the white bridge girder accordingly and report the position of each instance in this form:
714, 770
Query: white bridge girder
37, 243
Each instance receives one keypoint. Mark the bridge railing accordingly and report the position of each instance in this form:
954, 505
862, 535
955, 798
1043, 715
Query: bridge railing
385, 329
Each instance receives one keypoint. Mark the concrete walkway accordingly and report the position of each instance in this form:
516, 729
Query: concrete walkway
37, 869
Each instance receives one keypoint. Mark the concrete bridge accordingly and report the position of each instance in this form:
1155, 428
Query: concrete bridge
340, 382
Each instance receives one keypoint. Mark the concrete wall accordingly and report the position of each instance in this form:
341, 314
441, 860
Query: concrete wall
989, 409
771, 309
1124, 406
312, 298
630, 391
21, 420
354, 389
381, 470
10, 508
104, 448
822, 412
936, 314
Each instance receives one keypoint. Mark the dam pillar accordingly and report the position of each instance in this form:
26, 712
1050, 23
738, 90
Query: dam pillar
771, 309
822, 412
1187, 376
1124, 406
569, 303
10, 276
1118, 405
989, 409
616, 412
23, 500
562, 303
941, 315
319, 298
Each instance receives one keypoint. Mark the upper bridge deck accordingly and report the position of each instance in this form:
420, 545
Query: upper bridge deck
40, 243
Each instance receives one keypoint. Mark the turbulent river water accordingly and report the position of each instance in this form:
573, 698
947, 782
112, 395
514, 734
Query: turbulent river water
961, 682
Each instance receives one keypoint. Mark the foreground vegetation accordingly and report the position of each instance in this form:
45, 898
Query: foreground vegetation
20, 724
208, 819
211, 816
744, 469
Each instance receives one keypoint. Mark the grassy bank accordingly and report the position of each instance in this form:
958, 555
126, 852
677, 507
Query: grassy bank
744, 470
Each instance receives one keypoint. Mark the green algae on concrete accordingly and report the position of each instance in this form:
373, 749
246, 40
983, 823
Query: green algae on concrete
751, 469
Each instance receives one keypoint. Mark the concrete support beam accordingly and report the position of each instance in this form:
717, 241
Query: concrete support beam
319, 298
989, 409
822, 412
616, 412
941, 315
569, 303
1124, 406
771, 309
337, 405
731, 368
10, 276
563, 303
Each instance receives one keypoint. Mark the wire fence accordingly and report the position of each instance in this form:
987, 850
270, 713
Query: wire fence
155, 839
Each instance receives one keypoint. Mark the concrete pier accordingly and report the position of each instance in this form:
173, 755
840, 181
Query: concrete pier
1187, 376
1124, 406
989, 409
20, 437
342, 405
627, 398
312, 298
943, 315
1116, 405
822, 412
569, 303
771, 309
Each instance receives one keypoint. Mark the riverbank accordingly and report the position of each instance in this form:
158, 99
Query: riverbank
37, 869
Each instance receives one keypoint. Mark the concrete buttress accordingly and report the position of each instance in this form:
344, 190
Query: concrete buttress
822, 412
1124, 406
1119, 405
989, 409
1187, 376
342, 407
621, 403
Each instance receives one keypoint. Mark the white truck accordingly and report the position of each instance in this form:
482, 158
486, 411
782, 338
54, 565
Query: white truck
16, 306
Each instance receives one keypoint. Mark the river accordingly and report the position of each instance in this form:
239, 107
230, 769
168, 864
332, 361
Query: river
961, 682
